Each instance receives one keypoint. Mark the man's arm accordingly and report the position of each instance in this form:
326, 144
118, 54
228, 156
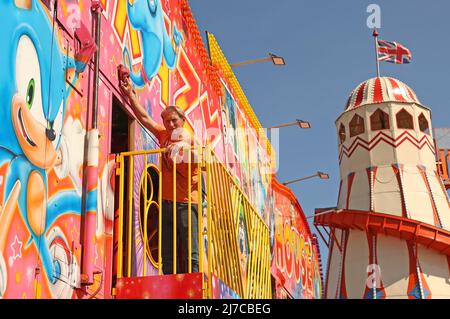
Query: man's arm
139, 111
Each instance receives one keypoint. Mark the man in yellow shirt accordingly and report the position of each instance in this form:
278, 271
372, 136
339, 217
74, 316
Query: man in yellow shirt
170, 136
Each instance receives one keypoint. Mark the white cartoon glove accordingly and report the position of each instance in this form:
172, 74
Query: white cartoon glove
71, 148
105, 198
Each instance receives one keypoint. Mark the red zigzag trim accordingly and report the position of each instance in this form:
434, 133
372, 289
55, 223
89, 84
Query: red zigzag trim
381, 136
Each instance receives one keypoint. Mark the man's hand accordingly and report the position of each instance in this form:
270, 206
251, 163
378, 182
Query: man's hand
180, 146
127, 88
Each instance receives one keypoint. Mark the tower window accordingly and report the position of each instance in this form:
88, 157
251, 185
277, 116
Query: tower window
356, 125
379, 120
342, 133
404, 120
423, 124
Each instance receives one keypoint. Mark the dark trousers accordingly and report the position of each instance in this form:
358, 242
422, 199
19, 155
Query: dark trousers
182, 237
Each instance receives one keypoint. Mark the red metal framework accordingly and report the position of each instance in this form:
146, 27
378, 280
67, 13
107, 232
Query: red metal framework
396, 226
442, 163
441, 138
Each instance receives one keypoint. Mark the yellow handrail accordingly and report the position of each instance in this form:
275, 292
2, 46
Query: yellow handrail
160, 262
145, 239
223, 226
174, 222
130, 213
189, 215
119, 262
226, 202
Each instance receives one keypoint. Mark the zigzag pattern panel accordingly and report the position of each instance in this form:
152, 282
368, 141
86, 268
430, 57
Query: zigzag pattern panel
383, 137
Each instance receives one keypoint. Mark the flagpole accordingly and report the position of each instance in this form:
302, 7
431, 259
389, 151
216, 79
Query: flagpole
375, 36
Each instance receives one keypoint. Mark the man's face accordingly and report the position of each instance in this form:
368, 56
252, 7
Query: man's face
172, 120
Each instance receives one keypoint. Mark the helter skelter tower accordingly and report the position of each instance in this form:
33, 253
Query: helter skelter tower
390, 232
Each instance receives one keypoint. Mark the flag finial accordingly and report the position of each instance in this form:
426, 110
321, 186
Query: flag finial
375, 32
375, 36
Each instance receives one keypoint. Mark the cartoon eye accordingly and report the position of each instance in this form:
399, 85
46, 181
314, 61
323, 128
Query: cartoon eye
152, 5
30, 93
28, 78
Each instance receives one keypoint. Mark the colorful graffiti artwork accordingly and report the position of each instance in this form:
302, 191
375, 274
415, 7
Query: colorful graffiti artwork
222, 291
34, 146
242, 239
239, 138
295, 256
147, 17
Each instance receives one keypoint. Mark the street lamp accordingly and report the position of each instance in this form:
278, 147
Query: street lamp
321, 175
276, 60
299, 123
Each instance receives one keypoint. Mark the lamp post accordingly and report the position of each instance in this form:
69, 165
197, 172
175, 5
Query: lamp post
321, 175
276, 60
299, 123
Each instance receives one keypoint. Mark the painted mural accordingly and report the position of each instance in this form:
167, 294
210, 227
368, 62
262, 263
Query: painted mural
40, 184
244, 155
295, 259
57, 173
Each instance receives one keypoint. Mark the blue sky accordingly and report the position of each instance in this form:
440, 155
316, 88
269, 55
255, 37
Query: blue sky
329, 50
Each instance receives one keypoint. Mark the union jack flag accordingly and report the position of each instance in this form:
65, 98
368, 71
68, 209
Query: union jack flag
393, 52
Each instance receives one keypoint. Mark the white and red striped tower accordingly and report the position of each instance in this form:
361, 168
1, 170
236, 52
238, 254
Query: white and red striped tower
390, 232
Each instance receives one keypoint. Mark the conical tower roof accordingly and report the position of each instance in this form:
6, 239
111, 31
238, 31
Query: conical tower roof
380, 90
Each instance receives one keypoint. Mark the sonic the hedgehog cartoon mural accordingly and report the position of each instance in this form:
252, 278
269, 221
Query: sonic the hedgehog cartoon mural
32, 108
147, 17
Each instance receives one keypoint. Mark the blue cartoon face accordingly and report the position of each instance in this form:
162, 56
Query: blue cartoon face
38, 133
32, 86
142, 12
147, 17
33, 94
